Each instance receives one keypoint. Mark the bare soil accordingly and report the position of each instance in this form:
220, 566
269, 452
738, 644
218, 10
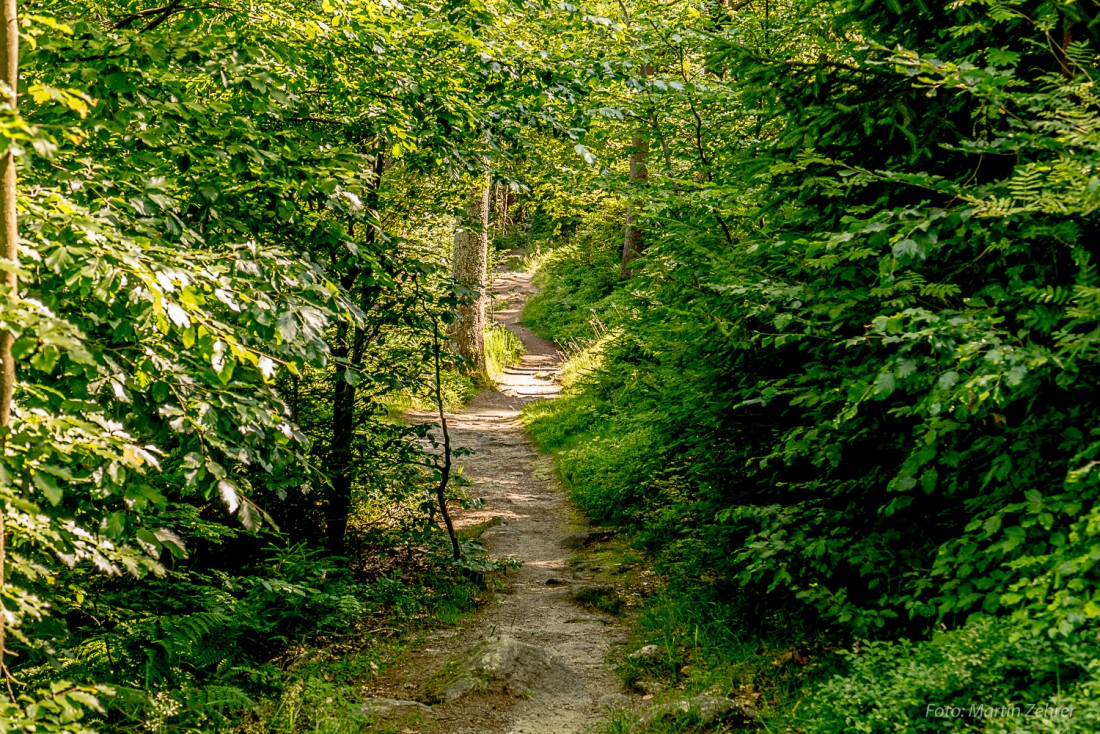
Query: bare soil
517, 485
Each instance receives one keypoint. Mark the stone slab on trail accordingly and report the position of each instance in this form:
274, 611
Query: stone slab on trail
517, 668
704, 710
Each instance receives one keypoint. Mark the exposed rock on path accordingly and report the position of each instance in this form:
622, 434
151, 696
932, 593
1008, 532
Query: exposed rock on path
515, 668
546, 654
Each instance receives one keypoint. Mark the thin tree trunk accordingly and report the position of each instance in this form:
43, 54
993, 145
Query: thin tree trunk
348, 349
338, 506
633, 244
445, 467
9, 233
471, 268
9, 248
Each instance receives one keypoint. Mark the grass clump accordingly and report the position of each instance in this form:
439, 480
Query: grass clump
503, 349
457, 389
434, 689
603, 461
474, 532
602, 598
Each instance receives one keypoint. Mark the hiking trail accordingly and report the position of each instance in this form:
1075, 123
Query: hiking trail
567, 690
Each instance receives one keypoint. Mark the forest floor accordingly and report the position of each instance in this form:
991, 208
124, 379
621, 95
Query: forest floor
524, 515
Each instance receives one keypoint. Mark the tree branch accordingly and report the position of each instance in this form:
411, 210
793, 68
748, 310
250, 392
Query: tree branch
162, 13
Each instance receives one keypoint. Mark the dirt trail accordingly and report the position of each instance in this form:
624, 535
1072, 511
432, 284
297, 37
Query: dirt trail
518, 486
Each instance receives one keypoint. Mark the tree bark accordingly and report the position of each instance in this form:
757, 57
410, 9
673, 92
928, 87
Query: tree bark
348, 350
633, 243
9, 249
471, 268
338, 507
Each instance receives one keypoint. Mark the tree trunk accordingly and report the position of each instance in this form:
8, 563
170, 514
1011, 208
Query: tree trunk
350, 344
633, 244
9, 233
338, 506
505, 200
471, 268
9, 249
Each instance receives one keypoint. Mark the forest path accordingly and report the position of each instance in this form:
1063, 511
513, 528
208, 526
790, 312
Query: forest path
518, 487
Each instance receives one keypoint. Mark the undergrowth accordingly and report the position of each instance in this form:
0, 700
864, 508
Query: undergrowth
503, 349
322, 689
457, 389
622, 439
577, 281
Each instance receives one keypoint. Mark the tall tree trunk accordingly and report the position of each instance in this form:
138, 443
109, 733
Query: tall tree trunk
471, 267
338, 507
9, 248
633, 244
350, 344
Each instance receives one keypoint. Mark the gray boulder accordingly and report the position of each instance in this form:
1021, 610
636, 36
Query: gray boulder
513, 667
614, 701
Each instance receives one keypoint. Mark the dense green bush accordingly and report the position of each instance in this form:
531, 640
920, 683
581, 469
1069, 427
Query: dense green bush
871, 390
854, 379
963, 680
604, 463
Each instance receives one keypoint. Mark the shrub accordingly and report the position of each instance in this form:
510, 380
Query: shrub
988, 675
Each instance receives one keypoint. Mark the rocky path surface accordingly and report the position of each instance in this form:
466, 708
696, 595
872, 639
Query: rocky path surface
539, 658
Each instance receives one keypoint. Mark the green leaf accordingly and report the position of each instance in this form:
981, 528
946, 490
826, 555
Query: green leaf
45, 359
48, 486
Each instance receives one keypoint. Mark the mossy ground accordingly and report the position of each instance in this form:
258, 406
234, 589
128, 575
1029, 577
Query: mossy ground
325, 686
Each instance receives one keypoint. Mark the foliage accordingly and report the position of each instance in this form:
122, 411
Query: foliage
852, 377
233, 223
857, 377
970, 677
577, 279
850, 382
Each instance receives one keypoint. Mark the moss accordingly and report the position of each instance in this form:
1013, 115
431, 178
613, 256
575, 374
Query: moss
434, 690
603, 598
474, 532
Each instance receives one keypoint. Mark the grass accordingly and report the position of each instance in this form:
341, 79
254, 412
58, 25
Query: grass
322, 690
434, 690
474, 532
601, 598
578, 298
503, 349
457, 390
705, 649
